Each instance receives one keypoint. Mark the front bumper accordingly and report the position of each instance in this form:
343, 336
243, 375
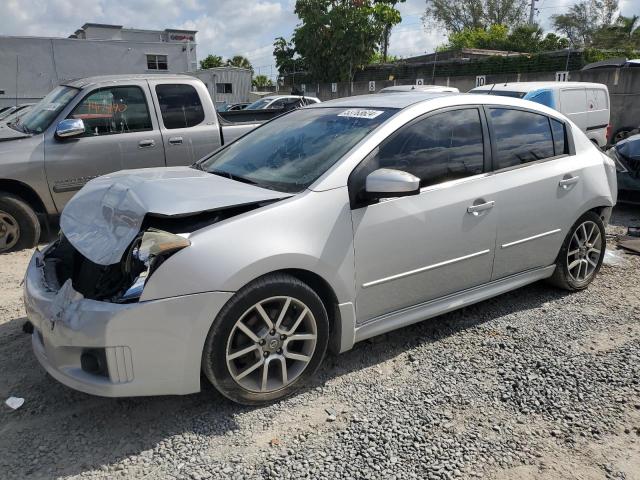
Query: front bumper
151, 348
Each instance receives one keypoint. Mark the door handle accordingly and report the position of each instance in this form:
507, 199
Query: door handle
175, 140
567, 182
476, 209
146, 143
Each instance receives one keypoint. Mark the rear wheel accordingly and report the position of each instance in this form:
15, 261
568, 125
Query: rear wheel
267, 341
19, 225
581, 255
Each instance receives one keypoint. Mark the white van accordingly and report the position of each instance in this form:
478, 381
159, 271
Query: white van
586, 104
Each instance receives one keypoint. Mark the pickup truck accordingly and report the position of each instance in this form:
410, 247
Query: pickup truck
98, 125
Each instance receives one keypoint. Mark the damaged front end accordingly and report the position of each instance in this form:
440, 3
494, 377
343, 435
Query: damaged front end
121, 282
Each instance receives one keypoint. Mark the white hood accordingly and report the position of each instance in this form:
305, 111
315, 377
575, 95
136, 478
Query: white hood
103, 218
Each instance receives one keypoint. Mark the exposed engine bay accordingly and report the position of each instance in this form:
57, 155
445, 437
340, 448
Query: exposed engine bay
123, 282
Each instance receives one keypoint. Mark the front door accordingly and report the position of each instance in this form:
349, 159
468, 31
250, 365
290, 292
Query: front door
188, 123
541, 188
414, 249
120, 133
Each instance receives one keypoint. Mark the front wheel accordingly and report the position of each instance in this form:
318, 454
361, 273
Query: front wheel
267, 341
581, 255
19, 225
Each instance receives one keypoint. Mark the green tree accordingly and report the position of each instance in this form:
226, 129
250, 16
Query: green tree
524, 38
389, 16
284, 53
337, 37
240, 61
624, 33
585, 19
261, 81
211, 61
456, 16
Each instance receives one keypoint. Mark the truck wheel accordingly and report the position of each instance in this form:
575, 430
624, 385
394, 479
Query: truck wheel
19, 225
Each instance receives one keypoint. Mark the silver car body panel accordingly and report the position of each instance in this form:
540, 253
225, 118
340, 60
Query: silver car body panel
102, 220
370, 257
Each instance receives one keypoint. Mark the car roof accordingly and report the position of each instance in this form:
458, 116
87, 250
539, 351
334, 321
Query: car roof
83, 82
418, 88
381, 100
531, 86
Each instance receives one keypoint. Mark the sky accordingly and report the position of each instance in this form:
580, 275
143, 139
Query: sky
225, 27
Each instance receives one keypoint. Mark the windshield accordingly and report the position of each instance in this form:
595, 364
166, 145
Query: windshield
501, 93
292, 151
259, 104
43, 113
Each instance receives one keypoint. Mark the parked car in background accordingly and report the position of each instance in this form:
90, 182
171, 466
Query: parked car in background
13, 111
324, 227
626, 154
419, 88
232, 107
613, 63
16, 115
98, 125
282, 102
586, 104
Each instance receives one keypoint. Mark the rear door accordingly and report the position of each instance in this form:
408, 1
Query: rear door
540, 192
598, 114
188, 121
120, 133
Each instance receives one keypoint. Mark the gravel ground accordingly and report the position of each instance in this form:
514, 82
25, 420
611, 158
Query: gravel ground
536, 383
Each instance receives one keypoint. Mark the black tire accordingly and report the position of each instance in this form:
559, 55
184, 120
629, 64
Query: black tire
18, 218
620, 135
561, 276
214, 360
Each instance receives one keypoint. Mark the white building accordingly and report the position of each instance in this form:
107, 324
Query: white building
226, 84
31, 66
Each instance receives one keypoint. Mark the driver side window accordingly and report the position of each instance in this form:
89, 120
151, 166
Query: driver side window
112, 110
438, 148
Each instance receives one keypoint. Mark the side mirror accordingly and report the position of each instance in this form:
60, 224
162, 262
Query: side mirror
387, 182
71, 127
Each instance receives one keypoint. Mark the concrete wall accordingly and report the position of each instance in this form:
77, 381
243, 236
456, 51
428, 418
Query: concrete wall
239, 78
623, 84
30, 67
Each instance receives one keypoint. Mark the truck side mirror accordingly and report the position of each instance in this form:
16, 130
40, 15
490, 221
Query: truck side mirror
71, 127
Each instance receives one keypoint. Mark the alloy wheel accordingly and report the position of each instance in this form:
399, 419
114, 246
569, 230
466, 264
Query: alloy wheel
584, 251
271, 344
9, 231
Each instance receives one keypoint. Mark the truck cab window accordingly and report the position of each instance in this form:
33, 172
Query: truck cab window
180, 106
112, 110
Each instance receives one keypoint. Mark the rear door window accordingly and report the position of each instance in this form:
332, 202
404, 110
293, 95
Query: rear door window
520, 137
180, 106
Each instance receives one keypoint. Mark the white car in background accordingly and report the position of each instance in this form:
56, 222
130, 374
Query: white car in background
586, 104
275, 102
419, 88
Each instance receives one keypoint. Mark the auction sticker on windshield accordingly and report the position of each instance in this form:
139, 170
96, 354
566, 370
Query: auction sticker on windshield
359, 113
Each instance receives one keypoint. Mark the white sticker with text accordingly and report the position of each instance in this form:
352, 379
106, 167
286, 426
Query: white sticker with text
358, 113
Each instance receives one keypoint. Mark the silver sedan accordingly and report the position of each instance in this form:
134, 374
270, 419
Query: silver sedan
324, 227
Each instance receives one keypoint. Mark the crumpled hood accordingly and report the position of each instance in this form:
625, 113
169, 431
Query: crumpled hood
103, 218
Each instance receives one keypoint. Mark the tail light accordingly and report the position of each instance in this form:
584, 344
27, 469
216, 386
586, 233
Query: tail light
609, 128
